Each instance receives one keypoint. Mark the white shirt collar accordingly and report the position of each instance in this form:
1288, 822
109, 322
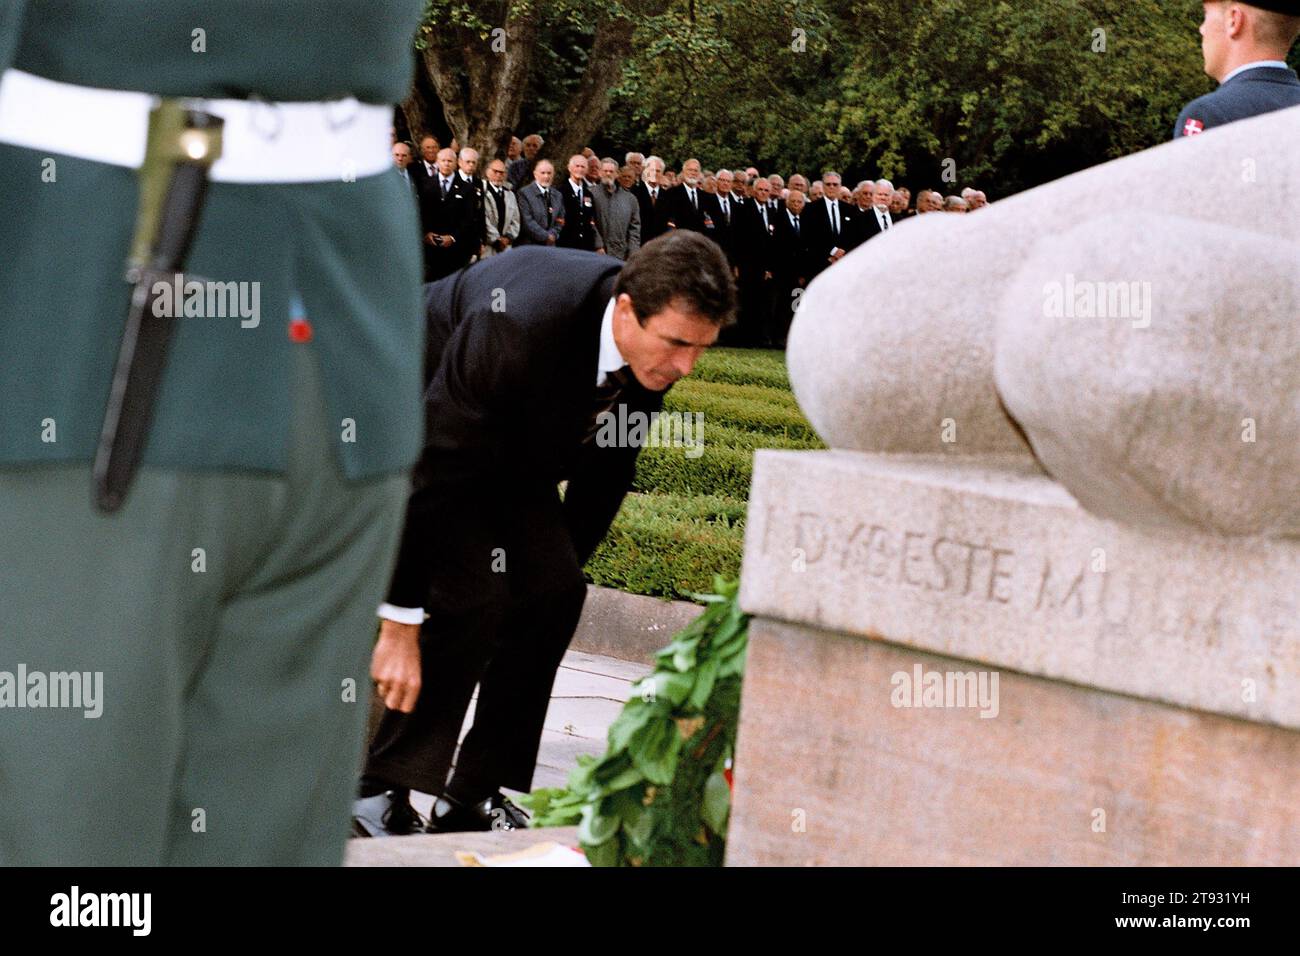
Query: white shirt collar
543, 189
610, 359
1255, 66
576, 187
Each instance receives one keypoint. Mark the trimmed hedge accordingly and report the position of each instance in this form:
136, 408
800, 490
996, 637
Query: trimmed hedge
741, 412
718, 471
662, 545
744, 367
684, 523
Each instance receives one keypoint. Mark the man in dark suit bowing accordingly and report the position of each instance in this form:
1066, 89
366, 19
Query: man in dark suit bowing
528, 355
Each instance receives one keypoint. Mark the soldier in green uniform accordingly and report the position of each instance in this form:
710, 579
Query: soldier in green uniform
184, 678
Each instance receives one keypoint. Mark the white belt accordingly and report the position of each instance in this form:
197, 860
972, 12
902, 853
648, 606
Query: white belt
261, 142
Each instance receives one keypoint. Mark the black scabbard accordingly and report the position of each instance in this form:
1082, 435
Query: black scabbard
142, 356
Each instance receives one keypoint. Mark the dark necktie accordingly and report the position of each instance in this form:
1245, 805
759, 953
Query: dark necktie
695, 204
607, 396
796, 227
726, 211
500, 196
654, 196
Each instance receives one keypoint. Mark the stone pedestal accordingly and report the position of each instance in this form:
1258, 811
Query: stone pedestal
953, 663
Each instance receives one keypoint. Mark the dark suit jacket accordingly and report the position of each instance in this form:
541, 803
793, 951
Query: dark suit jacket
681, 214
654, 216
510, 397
518, 172
821, 236
417, 170
724, 229
475, 187
792, 259
579, 230
452, 215
866, 226
753, 241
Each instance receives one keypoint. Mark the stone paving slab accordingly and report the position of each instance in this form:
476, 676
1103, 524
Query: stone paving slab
440, 849
590, 690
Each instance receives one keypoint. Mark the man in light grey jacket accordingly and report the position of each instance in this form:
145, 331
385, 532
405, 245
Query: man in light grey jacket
618, 214
500, 212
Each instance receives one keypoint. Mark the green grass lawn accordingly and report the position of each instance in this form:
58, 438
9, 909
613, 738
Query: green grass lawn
685, 518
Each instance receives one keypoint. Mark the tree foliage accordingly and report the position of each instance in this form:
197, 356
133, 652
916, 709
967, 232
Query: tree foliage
932, 92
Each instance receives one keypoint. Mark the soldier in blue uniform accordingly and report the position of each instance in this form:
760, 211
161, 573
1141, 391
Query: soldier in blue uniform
1245, 47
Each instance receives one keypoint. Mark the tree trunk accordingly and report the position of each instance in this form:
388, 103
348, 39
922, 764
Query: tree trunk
481, 81
587, 108
416, 110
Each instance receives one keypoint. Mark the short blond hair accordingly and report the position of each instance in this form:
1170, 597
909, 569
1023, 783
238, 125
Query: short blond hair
1276, 29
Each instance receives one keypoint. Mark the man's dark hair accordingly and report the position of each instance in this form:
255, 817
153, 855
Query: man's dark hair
683, 269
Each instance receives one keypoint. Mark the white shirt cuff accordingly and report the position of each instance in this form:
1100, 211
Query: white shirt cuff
402, 615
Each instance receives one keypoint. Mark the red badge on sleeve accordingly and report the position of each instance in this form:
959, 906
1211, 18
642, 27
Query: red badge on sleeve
299, 330
1192, 127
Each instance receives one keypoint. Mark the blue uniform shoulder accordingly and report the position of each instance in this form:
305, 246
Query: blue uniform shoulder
1200, 114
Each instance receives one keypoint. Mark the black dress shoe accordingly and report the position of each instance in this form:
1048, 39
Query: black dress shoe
493, 813
386, 814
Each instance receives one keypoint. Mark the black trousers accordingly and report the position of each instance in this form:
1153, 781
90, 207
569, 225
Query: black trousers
512, 654
755, 307
781, 311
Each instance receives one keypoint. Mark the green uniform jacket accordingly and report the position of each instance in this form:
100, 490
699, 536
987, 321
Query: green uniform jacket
350, 249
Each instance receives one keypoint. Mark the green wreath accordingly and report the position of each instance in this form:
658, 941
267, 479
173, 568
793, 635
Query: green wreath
661, 795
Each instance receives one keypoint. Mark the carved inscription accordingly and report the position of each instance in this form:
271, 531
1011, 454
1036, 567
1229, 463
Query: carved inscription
1039, 579
981, 570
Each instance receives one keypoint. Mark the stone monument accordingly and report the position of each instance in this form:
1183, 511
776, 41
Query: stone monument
1040, 603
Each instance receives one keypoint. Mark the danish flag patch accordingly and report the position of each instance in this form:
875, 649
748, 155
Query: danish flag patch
1192, 127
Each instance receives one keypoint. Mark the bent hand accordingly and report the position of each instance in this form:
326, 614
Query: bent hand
395, 665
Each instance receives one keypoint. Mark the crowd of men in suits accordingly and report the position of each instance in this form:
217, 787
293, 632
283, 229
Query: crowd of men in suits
777, 234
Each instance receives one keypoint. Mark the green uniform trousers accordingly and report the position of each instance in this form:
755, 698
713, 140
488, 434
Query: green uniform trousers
231, 616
